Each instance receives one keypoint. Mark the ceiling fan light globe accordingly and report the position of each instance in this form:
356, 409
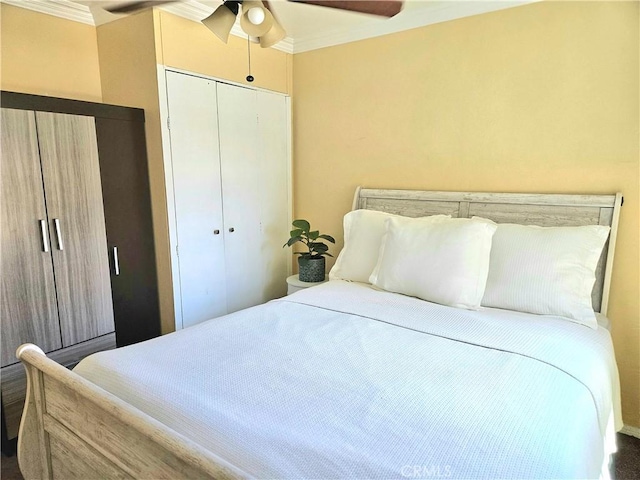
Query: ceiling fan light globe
252, 29
256, 15
273, 36
220, 22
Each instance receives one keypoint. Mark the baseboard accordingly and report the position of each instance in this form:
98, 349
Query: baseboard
632, 431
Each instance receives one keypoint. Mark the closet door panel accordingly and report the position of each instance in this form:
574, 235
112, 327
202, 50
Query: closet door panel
238, 127
273, 125
29, 311
198, 197
71, 173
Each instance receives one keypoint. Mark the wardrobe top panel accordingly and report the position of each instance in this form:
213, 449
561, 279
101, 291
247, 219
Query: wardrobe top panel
25, 101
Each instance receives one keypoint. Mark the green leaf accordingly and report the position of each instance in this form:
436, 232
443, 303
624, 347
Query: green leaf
328, 238
318, 247
292, 240
296, 233
313, 235
303, 224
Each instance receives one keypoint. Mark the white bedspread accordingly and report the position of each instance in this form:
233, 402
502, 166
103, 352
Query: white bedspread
343, 381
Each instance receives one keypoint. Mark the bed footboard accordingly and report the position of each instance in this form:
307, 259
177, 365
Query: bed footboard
71, 428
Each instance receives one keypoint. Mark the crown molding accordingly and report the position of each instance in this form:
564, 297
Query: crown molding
195, 11
190, 10
77, 12
418, 18
58, 8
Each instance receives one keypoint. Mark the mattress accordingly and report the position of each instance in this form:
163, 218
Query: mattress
344, 381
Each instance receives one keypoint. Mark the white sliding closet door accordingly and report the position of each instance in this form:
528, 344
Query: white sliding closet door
229, 173
273, 138
198, 197
239, 156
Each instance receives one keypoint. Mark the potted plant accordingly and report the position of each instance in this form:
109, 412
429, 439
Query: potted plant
311, 263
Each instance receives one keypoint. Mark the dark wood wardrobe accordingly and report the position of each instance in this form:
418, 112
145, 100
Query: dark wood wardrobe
77, 260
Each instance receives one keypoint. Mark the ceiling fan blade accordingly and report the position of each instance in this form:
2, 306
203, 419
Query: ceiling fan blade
135, 6
385, 8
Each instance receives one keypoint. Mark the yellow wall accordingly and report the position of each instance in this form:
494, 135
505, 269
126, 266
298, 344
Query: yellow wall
127, 51
46, 55
539, 98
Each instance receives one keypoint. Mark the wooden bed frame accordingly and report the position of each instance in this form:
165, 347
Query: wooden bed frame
71, 428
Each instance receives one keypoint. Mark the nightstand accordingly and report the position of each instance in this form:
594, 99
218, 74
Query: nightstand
294, 284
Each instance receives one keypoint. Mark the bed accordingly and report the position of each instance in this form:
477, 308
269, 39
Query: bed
348, 380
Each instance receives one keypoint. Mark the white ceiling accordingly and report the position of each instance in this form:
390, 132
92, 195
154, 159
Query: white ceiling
308, 27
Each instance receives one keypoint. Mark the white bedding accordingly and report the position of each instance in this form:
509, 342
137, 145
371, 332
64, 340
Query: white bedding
343, 381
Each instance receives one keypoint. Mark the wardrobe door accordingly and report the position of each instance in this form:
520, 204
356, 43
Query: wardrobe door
71, 174
198, 197
127, 209
29, 311
238, 127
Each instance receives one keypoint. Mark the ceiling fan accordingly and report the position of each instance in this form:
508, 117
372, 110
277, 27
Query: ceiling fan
257, 19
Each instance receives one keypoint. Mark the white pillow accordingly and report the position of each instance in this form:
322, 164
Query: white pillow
363, 232
545, 270
445, 262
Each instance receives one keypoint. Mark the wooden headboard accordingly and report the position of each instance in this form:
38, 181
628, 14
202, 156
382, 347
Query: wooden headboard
545, 210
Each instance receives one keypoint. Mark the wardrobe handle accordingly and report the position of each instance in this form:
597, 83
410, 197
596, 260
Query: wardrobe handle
116, 262
216, 232
45, 240
56, 223
232, 229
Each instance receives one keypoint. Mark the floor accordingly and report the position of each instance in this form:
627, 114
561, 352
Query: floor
627, 462
9, 470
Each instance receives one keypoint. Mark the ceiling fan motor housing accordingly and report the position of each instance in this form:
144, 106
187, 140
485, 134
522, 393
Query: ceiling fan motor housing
233, 5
